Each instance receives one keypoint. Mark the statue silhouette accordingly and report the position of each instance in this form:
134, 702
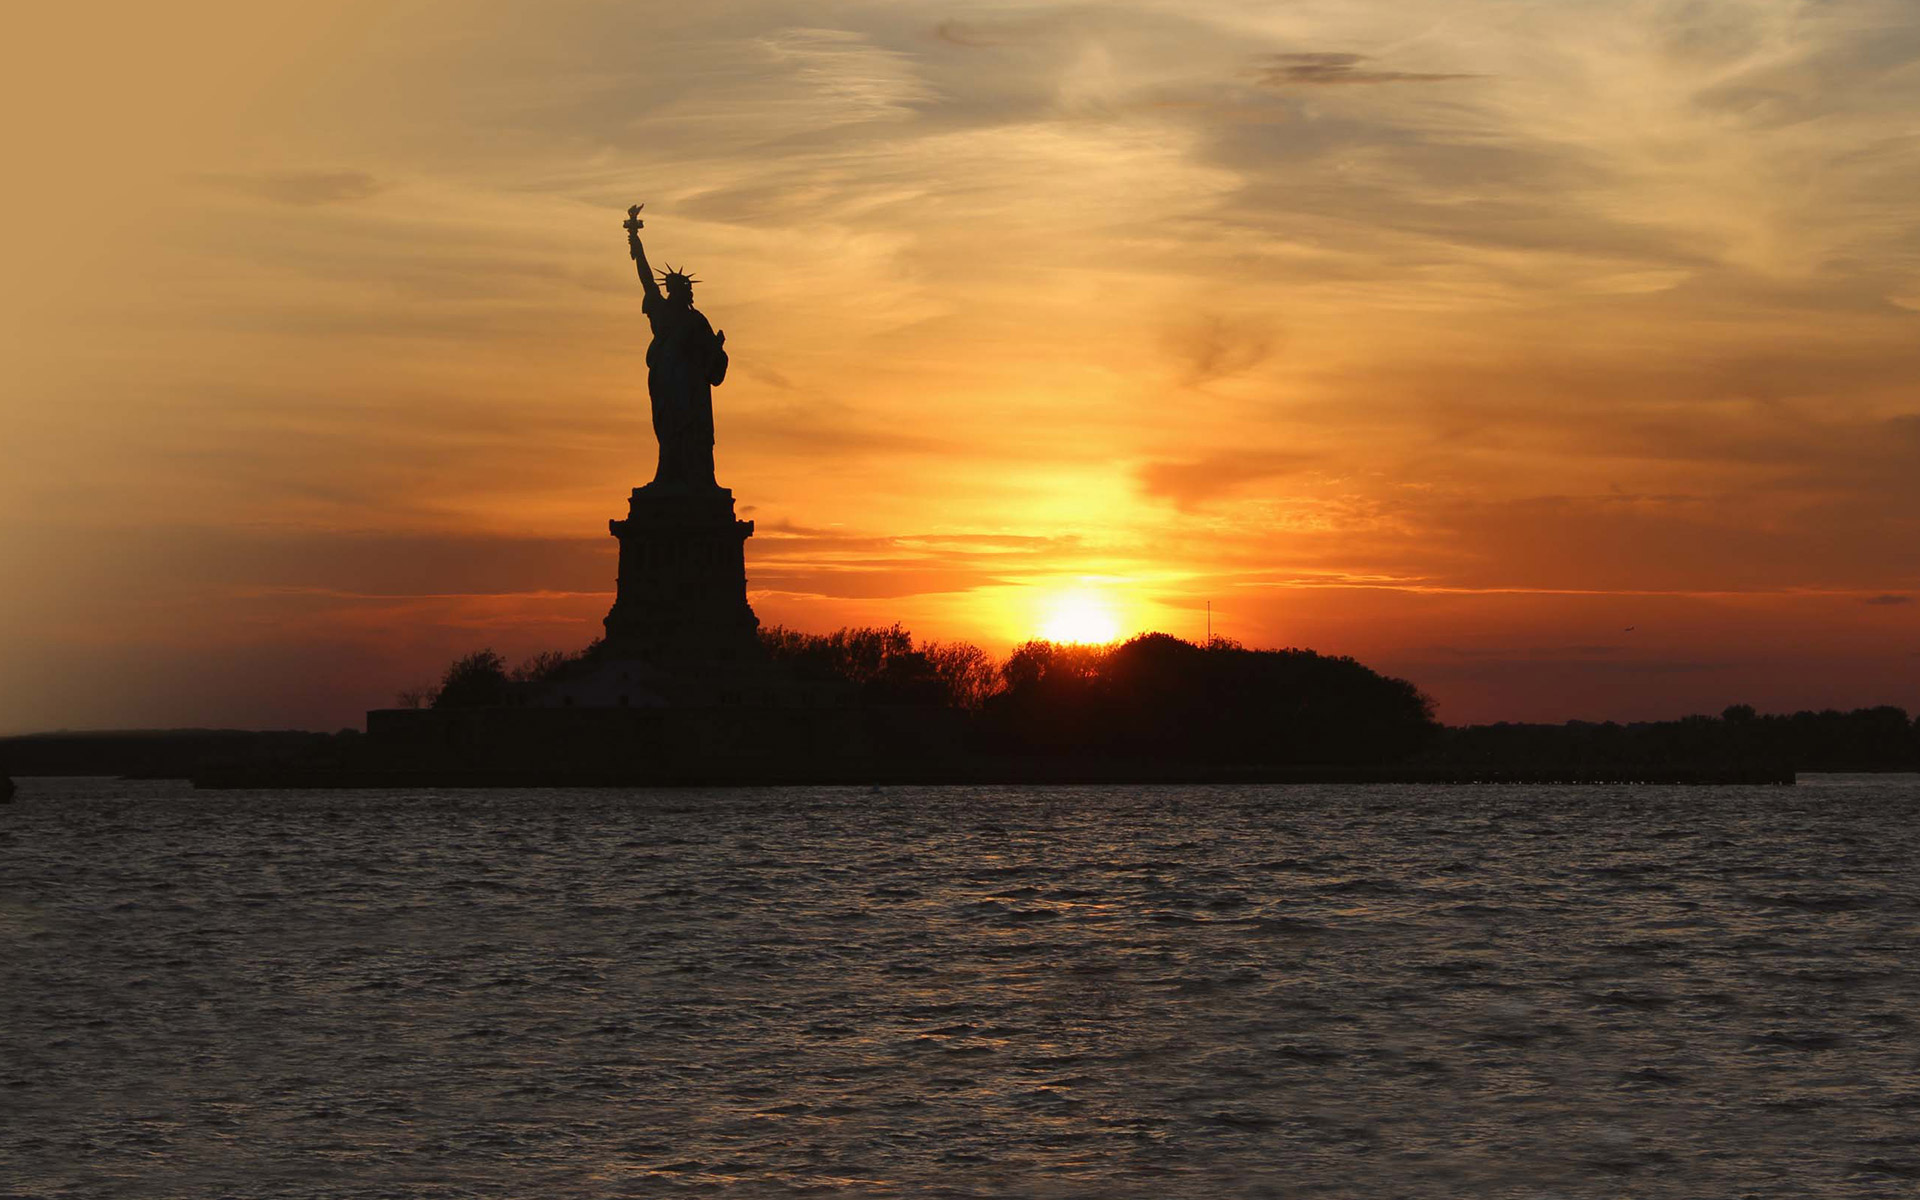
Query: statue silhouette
685, 362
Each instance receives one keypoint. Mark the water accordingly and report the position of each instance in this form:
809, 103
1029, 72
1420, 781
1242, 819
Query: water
993, 992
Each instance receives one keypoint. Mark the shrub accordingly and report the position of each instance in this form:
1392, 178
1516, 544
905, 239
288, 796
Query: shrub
477, 681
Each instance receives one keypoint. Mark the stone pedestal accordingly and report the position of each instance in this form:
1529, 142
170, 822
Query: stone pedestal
682, 598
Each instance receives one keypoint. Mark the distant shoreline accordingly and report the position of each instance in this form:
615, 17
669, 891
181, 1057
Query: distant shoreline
981, 773
229, 759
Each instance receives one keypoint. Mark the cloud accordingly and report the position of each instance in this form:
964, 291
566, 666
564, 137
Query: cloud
1888, 599
1190, 482
841, 539
845, 76
823, 431
1529, 653
1584, 663
1215, 347
800, 560
374, 564
962, 33
300, 188
884, 581
1287, 70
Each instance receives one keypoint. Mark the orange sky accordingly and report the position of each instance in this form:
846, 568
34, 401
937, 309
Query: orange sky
1459, 337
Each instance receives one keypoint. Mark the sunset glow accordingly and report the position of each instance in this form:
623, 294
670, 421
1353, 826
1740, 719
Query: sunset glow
1460, 338
1082, 615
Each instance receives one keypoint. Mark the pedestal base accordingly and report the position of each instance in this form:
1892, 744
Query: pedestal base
682, 597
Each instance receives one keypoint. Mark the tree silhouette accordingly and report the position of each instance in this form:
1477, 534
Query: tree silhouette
1157, 696
966, 672
477, 681
881, 664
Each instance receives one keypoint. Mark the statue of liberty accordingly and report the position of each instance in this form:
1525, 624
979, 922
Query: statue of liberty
686, 361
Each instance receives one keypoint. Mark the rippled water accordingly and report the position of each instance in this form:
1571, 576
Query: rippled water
1003, 992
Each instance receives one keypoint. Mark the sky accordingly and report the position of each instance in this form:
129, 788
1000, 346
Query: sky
1562, 356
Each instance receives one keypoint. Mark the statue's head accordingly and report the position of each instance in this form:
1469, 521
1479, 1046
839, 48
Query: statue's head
678, 285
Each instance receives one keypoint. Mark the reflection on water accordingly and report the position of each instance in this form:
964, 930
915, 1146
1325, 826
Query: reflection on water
962, 992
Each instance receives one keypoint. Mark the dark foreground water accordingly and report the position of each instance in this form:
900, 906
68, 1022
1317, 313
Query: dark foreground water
998, 992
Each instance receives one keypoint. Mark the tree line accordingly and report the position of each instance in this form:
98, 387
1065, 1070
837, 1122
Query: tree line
1153, 696
1882, 738
1160, 697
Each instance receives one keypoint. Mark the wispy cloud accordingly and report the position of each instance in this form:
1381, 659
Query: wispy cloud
1215, 346
299, 188
1319, 68
1189, 482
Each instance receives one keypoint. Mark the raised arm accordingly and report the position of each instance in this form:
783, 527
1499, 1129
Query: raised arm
633, 225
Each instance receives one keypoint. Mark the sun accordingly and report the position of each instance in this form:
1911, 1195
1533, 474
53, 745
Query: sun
1081, 615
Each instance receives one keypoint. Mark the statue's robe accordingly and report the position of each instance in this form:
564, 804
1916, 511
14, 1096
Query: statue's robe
684, 364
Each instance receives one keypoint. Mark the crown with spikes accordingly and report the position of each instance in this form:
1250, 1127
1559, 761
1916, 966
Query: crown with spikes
673, 275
